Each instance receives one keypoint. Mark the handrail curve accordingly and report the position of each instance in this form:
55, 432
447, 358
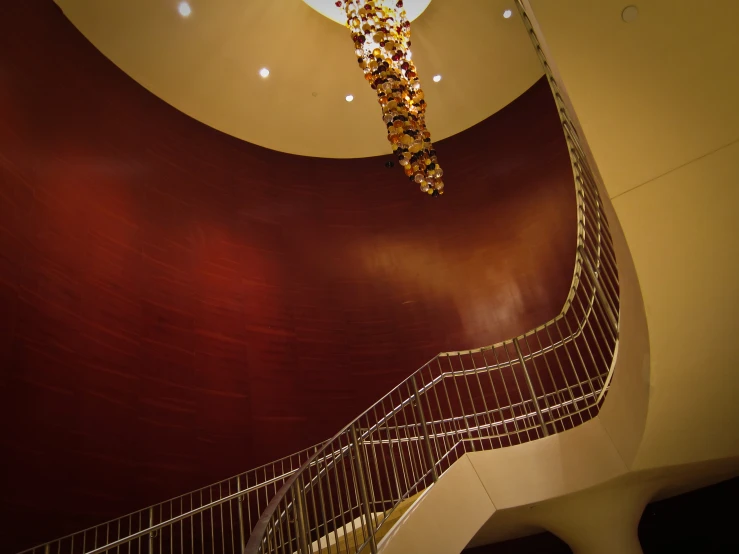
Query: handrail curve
342, 492
375, 463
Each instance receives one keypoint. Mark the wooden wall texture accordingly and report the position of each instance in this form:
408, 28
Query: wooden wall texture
177, 305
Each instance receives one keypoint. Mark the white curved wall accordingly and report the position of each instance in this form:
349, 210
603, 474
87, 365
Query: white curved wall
657, 100
664, 131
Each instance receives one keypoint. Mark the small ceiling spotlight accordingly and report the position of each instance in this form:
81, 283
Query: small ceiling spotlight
629, 14
437, 78
264, 72
349, 98
184, 9
507, 14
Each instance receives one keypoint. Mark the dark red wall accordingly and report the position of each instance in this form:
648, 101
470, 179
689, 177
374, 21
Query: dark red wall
178, 305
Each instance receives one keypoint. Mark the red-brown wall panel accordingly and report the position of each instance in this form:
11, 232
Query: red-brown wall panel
178, 305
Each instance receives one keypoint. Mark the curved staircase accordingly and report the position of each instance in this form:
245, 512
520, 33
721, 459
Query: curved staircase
345, 494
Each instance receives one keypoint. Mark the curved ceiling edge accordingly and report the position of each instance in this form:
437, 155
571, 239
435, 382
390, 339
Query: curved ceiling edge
328, 8
207, 66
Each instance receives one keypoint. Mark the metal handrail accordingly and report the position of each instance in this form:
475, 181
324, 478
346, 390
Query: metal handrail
136, 525
370, 453
415, 443
58, 545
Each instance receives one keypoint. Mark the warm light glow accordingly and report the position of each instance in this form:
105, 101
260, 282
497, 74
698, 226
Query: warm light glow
437, 78
349, 98
184, 9
264, 72
507, 14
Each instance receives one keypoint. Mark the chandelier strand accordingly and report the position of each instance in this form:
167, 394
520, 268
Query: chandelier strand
382, 39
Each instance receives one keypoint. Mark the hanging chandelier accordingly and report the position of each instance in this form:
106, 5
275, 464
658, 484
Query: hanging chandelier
382, 40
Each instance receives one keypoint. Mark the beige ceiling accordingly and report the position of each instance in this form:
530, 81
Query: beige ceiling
207, 66
657, 99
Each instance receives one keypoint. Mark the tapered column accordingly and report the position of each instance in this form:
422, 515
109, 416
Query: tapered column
603, 538
602, 521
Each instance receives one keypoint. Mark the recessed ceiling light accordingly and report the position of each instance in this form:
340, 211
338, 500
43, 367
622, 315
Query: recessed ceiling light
349, 98
264, 72
437, 78
507, 14
184, 9
630, 13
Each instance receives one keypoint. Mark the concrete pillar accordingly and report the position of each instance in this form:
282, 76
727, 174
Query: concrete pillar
601, 535
601, 521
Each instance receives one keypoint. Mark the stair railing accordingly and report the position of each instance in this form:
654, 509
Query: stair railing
340, 496
221, 514
545, 381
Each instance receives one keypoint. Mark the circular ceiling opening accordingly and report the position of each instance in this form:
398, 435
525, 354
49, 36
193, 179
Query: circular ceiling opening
413, 8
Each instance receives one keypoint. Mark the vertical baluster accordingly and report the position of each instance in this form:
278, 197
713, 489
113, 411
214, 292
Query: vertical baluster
572, 361
524, 411
532, 358
486, 413
202, 523
182, 526
241, 514
344, 452
489, 371
312, 484
369, 446
512, 412
424, 429
391, 455
412, 442
599, 291
394, 415
452, 418
356, 457
339, 500
531, 387
151, 534
301, 516
446, 438
288, 527
430, 421
554, 382
279, 530
466, 380
330, 495
231, 517
556, 348
322, 505
587, 318
463, 416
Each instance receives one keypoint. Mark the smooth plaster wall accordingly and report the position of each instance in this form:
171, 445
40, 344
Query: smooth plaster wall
657, 101
679, 217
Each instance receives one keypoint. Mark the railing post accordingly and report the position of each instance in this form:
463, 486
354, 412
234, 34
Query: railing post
151, 534
531, 387
599, 291
359, 471
301, 530
424, 428
239, 502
